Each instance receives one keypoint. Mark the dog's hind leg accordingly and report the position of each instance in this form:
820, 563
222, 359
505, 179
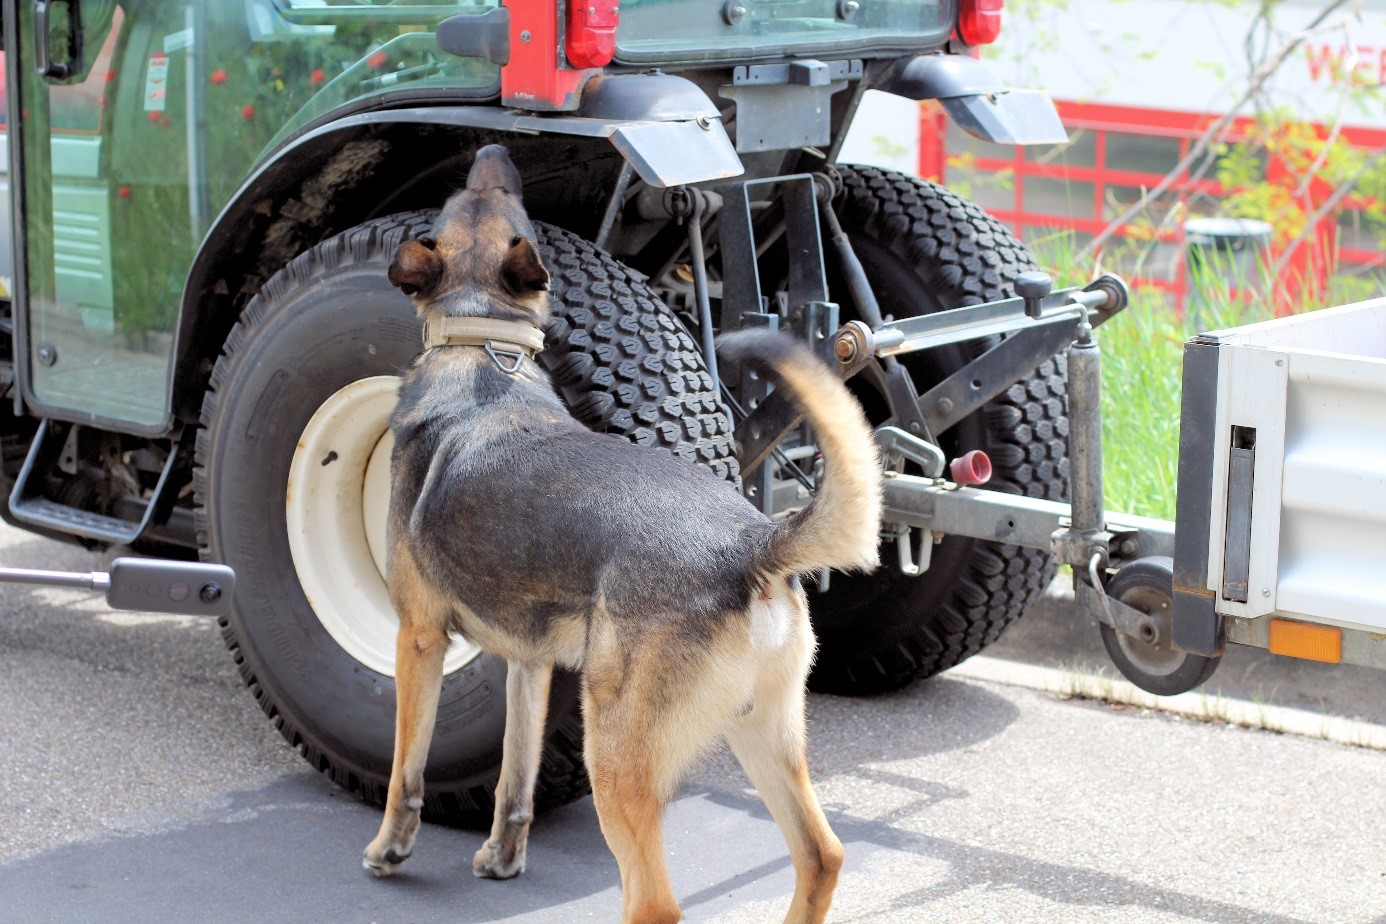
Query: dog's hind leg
632, 767
770, 743
625, 787
526, 703
419, 648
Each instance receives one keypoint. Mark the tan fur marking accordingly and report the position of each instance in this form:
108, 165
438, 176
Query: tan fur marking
420, 645
841, 527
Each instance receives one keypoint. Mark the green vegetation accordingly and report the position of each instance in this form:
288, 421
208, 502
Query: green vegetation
1142, 353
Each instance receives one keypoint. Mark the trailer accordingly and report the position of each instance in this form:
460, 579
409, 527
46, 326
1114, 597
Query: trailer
1282, 488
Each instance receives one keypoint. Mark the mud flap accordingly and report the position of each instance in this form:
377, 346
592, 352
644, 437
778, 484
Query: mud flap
678, 153
977, 101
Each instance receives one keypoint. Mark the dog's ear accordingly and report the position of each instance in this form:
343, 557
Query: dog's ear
523, 271
416, 268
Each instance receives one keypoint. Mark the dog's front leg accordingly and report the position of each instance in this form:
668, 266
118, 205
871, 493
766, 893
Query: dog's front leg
419, 650
526, 704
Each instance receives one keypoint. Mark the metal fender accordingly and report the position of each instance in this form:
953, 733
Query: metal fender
976, 100
664, 126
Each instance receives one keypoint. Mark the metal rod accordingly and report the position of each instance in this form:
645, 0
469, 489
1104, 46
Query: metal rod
696, 258
91, 580
857, 284
1085, 431
1013, 519
969, 323
613, 208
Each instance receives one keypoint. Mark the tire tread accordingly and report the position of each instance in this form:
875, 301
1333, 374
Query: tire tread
968, 257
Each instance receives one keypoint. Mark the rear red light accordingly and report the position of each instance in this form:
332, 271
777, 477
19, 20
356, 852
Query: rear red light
591, 40
979, 21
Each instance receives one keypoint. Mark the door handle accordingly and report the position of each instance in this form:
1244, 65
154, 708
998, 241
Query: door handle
47, 67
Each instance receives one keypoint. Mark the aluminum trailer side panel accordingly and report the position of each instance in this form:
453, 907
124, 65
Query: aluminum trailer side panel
1307, 394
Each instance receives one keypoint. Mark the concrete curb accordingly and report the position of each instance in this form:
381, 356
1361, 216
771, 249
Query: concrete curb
1195, 704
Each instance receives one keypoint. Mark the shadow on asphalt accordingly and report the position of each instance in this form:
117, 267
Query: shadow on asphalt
1056, 633
970, 867
292, 849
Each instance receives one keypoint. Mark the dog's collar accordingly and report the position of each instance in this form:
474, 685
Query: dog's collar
512, 339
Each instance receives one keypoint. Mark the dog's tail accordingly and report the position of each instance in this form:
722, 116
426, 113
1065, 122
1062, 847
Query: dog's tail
840, 528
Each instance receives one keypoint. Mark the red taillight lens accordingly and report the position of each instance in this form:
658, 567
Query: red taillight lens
591, 40
979, 21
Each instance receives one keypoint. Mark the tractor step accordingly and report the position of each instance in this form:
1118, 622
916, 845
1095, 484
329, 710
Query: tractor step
29, 506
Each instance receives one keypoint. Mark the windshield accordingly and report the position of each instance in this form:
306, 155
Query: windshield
707, 30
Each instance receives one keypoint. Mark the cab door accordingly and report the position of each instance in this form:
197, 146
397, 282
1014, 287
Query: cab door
141, 118
89, 347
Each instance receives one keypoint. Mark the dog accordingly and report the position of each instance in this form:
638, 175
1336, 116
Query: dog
548, 544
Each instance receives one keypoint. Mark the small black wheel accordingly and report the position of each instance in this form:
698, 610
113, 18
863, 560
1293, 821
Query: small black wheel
292, 480
1151, 663
926, 249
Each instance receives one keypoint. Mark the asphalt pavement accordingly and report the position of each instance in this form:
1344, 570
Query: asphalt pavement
142, 784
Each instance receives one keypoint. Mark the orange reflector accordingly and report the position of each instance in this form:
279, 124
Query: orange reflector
1302, 640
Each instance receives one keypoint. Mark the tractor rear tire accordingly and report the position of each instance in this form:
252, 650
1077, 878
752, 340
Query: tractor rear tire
311, 626
925, 249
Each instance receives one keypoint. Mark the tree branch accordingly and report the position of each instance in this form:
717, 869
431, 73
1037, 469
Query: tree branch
1323, 211
1259, 77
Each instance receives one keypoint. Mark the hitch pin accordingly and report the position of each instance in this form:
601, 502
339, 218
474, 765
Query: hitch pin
908, 566
1097, 585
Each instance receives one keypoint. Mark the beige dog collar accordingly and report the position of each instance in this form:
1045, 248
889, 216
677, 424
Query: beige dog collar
503, 336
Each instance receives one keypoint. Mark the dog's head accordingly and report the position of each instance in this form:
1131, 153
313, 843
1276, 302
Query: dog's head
481, 260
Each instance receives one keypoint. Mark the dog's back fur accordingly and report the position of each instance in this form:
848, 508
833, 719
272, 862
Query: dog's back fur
561, 521
546, 543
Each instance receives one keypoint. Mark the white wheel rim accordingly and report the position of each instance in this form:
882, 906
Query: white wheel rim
339, 493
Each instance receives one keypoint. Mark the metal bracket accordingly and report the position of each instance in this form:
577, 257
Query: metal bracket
801, 73
29, 506
1076, 548
786, 106
807, 282
1125, 619
763, 428
990, 374
904, 400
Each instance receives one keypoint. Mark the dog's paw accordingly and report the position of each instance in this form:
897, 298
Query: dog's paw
495, 860
383, 861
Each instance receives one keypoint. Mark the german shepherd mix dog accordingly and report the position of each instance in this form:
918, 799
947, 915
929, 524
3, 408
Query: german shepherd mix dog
545, 543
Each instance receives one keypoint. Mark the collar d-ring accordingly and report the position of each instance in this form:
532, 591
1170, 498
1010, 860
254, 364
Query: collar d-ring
516, 357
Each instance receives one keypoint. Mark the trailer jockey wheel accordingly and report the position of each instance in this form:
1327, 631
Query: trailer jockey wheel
924, 249
1150, 662
292, 480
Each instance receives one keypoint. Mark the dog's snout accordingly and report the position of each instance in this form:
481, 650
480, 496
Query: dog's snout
494, 170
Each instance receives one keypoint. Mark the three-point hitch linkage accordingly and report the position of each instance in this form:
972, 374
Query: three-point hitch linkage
922, 491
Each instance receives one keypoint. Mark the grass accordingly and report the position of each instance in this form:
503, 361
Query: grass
1142, 355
